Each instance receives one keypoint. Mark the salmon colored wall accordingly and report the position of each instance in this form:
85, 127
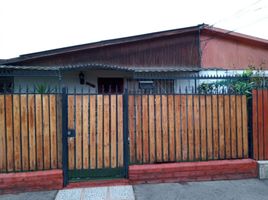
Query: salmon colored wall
223, 52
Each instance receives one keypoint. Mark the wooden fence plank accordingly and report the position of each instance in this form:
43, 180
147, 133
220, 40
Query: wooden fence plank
39, 130
106, 131
171, 124
17, 133
215, 131
100, 132
233, 126
239, 140
227, 126
85, 141
59, 128
184, 128
3, 152
93, 133
197, 127
265, 123
9, 132
221, 123
32, 138
203, 128
165, 128
260, 123
158, 129
152, 129
209, 127
131, 128
138, 129
53, 130
255, 124
78, 131
113, 130
178, 127
245, 125
120, 131
71, 126
24, 133
145, 123
190, 127
46, 141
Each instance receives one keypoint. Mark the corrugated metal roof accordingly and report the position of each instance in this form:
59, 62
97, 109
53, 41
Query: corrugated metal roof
94, 66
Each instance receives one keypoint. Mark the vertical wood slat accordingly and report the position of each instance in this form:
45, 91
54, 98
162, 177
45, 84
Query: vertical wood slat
152, 129
209, 127
39, 129
99, 131
32, 136
93, 133
106, 131
215, 130
197, 127
164, 123
178, 128
138, 129
203, 128
85, 141
227, 127
239, 141
184, 128
265, 123
120, 131
145, 126
233, 125
221, 126
190, 127
171, 122
17, 133
113, 131
260, 123
158, 128
2, 135
245, 125
131, 127
24, 134
53, 131
71, 126
46, 142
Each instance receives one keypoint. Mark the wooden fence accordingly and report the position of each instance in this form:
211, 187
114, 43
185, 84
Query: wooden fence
168, 128
30, 132
260, 123
98, 124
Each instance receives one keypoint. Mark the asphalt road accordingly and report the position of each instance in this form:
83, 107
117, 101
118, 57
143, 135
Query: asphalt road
250, 189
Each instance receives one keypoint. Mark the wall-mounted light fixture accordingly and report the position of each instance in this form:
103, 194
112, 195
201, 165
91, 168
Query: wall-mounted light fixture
82, 78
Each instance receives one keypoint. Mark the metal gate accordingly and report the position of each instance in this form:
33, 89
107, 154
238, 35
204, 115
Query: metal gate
95, 136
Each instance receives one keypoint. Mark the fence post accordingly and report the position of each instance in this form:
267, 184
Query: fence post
125, 132
64, 137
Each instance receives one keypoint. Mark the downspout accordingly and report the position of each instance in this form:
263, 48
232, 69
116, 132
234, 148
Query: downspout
199, 46
60, 79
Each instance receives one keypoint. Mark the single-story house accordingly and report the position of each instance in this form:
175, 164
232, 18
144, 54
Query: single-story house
151, 59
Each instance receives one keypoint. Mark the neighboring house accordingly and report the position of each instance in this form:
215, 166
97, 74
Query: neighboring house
113, 65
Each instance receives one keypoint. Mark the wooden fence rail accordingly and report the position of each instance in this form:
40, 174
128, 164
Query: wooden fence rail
260, 123
30, 132
169, 128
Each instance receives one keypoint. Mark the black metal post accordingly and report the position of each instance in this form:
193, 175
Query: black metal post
125, 132
64, 136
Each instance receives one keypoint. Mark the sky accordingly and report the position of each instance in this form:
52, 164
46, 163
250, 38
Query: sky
28, 26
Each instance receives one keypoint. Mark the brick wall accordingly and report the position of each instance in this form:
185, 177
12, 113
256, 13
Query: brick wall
31, 181
193, 171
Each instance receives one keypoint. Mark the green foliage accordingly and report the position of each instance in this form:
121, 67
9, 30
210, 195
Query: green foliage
43, 89
242, 84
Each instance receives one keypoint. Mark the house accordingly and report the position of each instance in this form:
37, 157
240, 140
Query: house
154, 59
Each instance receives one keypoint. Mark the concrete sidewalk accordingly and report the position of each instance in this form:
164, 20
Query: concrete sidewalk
248, 189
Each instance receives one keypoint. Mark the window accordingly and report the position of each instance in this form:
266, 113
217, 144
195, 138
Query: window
6, 84
110, 85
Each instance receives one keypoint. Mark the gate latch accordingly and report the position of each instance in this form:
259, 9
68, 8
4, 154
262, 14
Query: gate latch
71, 133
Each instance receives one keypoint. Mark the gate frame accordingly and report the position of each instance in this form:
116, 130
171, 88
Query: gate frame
65, 135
